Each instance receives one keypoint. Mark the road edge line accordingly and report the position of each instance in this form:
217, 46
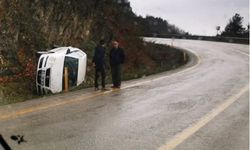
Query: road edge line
186, 133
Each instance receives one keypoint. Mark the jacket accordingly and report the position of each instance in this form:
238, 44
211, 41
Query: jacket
99, 57
116, 56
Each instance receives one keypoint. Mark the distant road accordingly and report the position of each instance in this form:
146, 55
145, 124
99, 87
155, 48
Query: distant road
202, 106
240, 40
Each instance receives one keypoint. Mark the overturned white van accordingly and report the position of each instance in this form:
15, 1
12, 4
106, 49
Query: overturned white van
50, 69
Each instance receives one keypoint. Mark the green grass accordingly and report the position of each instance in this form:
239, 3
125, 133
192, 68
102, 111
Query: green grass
16, 92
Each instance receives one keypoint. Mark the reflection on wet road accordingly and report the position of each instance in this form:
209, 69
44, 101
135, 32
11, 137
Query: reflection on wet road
148, 113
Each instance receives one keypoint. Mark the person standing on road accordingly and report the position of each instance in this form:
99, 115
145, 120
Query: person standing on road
99, 64
116, 58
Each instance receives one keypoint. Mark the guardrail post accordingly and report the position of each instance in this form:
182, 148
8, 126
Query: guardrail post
184, 56
172, 42
66, 80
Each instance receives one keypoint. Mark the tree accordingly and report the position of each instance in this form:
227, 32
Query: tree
234, 27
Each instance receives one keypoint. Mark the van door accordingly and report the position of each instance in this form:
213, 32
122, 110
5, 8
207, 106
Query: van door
72, 65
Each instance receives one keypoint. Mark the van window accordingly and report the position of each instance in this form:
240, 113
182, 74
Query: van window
41, 62
47, 78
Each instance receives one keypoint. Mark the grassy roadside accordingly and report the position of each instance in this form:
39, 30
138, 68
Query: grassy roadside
155, 58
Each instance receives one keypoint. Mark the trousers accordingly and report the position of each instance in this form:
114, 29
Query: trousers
98, 72
116, 71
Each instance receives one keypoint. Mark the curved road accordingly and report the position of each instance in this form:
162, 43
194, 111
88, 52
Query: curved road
202, 106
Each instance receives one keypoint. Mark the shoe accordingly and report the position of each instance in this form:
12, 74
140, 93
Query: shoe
104, 89
115, 87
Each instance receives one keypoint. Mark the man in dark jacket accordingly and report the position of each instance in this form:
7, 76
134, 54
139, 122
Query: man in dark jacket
99, 64
116, 58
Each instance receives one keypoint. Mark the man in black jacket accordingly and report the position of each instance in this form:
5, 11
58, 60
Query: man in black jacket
116, 58
99, 64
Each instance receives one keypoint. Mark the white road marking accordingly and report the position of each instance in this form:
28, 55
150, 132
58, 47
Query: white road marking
186, 133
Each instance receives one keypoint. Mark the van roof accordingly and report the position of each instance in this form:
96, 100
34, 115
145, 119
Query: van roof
62, 49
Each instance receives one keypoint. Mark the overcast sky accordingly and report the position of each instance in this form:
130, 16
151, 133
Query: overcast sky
194, 16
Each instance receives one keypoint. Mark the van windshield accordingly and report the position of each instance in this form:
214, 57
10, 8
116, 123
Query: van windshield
47, 78
39, 77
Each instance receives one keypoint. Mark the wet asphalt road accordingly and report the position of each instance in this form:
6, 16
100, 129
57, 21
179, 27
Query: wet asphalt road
146, 114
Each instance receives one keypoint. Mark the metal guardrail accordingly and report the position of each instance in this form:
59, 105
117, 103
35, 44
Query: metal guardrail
206, 38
